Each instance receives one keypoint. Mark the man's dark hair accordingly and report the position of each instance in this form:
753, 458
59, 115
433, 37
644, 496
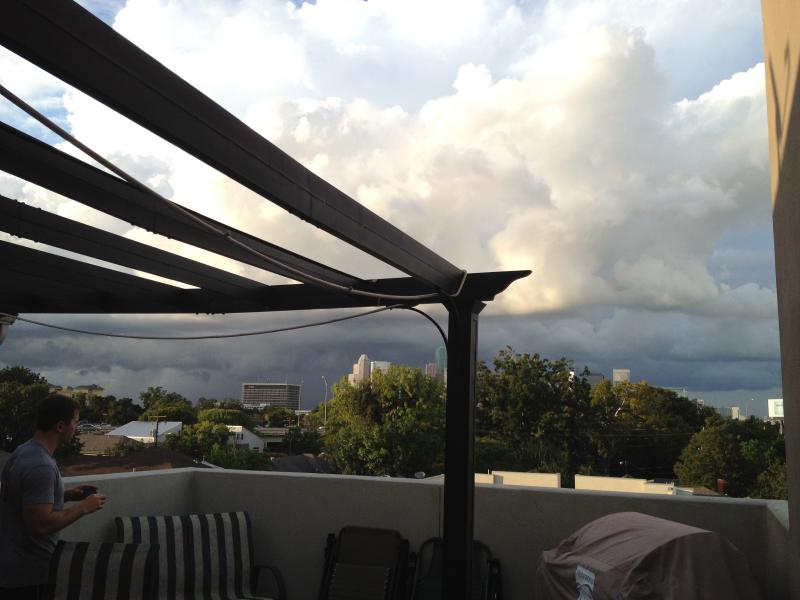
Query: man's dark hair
55, 408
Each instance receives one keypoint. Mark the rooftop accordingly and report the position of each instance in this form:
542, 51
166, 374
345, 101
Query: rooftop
149, 459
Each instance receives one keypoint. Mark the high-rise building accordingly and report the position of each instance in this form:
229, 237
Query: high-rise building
365, 368
775, 408
378, 365
620, 375
262, 395
736, 413
361, 370
441, 359
431, 370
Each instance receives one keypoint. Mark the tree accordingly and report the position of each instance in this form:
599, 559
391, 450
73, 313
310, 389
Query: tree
122, 411
197, 440
159, 402
209, 441
640, 430
538, 409
204, 403
278, 416
21, 375
21, 391
748, 455
302, 441
239, 458
390, 425
228, 416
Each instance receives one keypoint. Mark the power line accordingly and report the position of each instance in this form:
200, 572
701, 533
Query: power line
228, 335
204, 337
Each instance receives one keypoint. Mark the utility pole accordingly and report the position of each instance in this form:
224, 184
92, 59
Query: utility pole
325, 403
157, 419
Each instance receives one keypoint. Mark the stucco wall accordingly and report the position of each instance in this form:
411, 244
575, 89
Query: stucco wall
782, 67
293, 513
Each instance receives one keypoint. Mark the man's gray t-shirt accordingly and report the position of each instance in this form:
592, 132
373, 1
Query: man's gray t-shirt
30, 476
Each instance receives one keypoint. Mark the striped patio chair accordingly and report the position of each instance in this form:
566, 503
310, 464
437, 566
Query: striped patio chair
101, 571
204, 556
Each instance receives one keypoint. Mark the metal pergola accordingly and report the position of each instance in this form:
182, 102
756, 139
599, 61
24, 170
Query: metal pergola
69, 42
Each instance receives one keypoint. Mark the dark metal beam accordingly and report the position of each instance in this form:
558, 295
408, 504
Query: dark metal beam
42, 270
459, 481
29, 277
32, 160
17, 218
72, 44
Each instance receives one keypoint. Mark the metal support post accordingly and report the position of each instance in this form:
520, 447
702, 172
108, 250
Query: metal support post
459, 482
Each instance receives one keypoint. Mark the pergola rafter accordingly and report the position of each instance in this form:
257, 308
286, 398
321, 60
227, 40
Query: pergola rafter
89, 55
69, 42
57, 171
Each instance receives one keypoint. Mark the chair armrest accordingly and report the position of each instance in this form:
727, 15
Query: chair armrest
276, 575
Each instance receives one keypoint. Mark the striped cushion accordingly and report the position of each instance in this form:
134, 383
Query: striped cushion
97, 571
205, 556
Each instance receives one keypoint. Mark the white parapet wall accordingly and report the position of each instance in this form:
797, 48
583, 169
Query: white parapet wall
292, 514
547, 480
622, 484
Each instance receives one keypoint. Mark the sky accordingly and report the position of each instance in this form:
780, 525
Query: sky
616, 148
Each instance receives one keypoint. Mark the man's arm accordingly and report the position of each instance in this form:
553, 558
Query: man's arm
41, 519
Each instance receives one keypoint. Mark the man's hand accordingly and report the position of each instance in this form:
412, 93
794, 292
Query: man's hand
78, 493
93, 503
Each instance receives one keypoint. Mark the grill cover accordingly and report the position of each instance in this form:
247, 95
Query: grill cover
628, 556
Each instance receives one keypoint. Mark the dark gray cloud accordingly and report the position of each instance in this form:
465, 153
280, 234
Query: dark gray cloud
718, 358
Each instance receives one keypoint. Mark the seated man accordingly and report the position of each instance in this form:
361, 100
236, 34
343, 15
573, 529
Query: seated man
32, 502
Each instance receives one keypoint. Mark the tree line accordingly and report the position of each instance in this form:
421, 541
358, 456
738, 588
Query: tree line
204, 435
534, 414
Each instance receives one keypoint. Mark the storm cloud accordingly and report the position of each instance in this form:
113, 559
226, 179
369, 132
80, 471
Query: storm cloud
583, 140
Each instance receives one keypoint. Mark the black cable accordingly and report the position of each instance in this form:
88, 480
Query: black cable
427, 316
229, 335
202, 337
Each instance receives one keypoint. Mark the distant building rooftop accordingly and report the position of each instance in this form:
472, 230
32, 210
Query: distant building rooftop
144, 431
98, 442
149, 459
301, 463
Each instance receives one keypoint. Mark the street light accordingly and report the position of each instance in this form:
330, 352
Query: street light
325, 402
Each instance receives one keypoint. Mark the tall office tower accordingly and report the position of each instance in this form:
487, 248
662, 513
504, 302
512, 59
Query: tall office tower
620, 375
431, 370
261, 395
378, 365
441, 359
361, 370
736, 413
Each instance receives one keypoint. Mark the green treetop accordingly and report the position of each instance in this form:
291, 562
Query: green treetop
390, 425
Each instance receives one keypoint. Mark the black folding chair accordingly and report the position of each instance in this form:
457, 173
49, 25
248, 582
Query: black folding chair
428, 572
364, 563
